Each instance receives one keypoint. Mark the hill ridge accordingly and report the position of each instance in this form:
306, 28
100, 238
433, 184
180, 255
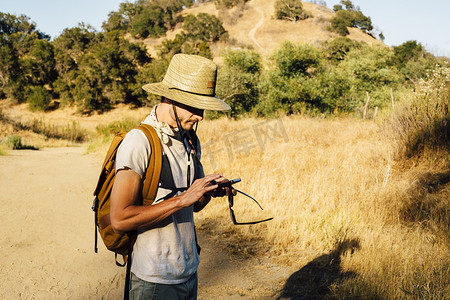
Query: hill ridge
247, 29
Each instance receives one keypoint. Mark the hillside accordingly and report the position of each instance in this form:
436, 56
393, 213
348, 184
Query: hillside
255, 27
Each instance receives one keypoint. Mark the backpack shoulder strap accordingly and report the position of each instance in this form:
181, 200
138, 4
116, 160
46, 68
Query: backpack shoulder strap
154, 166
109, 162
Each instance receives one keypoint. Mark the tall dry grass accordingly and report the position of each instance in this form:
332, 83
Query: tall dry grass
420, 123
338, 204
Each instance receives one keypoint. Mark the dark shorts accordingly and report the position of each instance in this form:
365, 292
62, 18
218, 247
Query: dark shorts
144, 290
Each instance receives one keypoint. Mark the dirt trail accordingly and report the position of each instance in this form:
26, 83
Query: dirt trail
46, 248
252, 32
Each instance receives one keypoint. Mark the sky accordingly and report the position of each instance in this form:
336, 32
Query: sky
427, 22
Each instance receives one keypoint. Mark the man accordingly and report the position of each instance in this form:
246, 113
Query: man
165, 257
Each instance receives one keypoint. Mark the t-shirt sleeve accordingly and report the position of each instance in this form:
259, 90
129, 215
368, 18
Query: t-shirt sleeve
134, 152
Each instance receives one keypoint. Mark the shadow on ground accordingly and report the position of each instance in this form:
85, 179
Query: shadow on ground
313, 281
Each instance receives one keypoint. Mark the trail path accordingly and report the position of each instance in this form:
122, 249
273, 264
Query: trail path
46, 241
252, 32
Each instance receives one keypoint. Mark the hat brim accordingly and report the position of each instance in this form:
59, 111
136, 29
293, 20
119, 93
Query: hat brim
190, 99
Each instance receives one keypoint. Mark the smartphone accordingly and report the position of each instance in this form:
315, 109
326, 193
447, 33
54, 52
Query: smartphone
228, 183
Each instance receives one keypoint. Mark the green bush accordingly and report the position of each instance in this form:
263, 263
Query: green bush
413, 60
3, 150
39, 99
247, 61
337, 49
14, 142
237, 81
369, 69
292, 59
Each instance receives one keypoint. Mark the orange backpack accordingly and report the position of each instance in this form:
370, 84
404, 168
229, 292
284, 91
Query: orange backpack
122, 243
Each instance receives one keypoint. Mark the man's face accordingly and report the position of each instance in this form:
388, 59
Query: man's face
187, 115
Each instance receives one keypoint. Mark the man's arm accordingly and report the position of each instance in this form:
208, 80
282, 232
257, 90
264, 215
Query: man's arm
202, 202
127, 216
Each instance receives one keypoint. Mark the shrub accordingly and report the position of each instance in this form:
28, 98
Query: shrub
3, 150
413, 60
338, 48
369, 69
39, 98
244, 60
14, 142
237, 82
294, 59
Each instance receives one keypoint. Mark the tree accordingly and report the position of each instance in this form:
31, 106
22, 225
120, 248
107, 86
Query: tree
149, 22
120, 20
10, 24
198, 32
70, 47
340, 22
291, 10
98, 70
350, 17
146, 18
204, 27
348, 4
39, 63
26, 57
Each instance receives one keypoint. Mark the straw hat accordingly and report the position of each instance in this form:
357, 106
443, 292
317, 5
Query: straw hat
190, 80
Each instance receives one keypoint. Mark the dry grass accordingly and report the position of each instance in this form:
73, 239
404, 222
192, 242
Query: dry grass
342, 212
420, 124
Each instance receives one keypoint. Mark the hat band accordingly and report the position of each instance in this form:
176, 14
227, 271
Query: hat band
193, 93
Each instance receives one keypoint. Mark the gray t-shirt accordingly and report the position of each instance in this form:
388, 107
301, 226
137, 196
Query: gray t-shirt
165, 253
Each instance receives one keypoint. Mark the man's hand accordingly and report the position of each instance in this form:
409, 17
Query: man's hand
199, 188
221, 191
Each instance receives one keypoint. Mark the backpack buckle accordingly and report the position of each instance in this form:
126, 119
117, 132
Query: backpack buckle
95, 204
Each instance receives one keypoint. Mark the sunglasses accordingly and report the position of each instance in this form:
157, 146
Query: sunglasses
231, 203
